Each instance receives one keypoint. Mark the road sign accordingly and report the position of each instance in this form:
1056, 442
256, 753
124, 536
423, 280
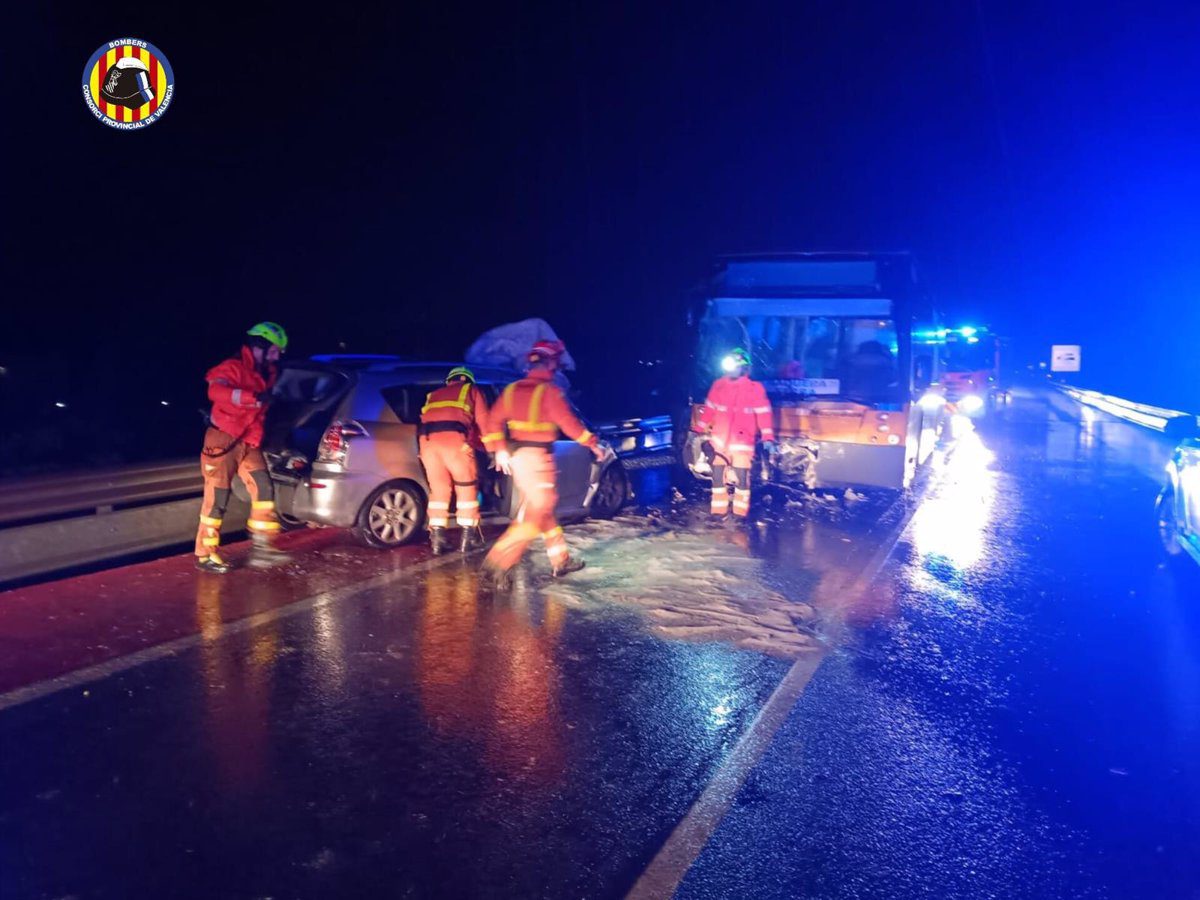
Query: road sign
1064, 358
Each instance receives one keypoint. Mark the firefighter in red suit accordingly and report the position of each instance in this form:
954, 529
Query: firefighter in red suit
734, 415
240, 390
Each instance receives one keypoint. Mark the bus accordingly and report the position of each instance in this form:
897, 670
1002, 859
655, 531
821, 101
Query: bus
830, 336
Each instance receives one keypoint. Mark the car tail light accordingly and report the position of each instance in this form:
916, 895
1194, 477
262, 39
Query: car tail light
335, 442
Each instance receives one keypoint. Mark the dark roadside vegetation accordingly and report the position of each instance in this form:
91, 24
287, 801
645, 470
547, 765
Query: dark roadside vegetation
115, 414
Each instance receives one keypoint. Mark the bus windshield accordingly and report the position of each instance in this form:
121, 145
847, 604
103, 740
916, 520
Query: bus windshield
853, 358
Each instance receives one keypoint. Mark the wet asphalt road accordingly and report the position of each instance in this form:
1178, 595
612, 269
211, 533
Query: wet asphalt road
1011, 709
1023, 717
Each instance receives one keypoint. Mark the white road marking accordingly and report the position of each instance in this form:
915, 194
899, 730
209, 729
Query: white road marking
664, 874
100, 671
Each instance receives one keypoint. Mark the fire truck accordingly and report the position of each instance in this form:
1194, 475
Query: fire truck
970, 369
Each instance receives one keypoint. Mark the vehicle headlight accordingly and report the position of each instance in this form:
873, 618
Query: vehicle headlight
932, 402
971, 403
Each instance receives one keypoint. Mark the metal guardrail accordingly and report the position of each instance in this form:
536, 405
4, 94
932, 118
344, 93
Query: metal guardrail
85, 493
1156, 418
639, 442
54, 522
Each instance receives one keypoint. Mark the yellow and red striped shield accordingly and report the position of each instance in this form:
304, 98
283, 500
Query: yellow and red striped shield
151, 81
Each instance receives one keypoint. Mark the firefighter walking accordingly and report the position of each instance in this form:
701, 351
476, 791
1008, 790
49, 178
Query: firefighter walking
452, 421
240, 391
524, 424
734, 415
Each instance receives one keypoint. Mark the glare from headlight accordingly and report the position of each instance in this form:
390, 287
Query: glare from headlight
972, 403
932, 402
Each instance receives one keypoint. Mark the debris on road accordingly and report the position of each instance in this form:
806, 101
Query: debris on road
691, 586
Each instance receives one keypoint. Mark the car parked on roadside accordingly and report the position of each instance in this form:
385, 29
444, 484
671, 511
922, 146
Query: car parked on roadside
342, 448
1178, 504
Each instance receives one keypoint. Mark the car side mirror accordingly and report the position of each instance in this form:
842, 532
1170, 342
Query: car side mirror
1182, 428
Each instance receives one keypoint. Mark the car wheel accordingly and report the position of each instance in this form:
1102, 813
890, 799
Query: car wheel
611, 493
392, 516
1168, 528
687, 451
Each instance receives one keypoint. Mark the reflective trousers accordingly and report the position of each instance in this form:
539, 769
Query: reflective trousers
740, 462
222, 461
534, 475
451, 470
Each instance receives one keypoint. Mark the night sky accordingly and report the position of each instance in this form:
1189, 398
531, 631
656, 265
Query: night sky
399, 178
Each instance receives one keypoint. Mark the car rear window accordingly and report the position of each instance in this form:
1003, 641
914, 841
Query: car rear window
308, 385
406, 400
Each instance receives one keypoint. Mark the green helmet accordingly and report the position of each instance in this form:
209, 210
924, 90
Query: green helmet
271, 332
460, 372
737, 358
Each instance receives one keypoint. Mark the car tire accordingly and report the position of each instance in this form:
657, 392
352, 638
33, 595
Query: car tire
1168, 527
686, 447
392, 516
612, 493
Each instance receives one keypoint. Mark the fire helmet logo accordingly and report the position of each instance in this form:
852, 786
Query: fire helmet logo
128, 84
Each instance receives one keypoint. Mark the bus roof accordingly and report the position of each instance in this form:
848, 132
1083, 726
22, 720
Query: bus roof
763, 276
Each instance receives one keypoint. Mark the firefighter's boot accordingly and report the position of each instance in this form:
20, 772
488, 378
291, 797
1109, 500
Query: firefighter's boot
212, 563
567, 566
437, 541
470, 540
263, 554
498, 579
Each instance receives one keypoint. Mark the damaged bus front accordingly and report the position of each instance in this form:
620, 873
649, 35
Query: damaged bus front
831, 339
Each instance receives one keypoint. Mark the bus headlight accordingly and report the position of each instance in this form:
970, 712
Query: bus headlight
971, 404
932, 402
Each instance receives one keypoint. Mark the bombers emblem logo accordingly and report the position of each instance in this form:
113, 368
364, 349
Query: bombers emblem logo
128, 84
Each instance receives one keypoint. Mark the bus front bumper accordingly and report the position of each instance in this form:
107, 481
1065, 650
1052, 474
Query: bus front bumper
840, 464
823, 464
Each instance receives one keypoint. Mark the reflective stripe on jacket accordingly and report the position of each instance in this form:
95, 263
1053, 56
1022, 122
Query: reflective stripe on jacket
233, 388
735, 413
534, 411
458, 404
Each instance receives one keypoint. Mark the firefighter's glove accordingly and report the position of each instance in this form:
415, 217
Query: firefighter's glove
708, 451
264, 398
503, 462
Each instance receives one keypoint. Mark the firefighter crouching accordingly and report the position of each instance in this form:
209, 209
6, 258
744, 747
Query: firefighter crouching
524, 424
735, 413
240, 390
452, 420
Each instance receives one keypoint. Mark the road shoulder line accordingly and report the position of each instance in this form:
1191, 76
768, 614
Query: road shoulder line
666, 871
100, 671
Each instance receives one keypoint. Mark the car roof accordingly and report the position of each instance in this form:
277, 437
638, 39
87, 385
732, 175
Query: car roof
409, 372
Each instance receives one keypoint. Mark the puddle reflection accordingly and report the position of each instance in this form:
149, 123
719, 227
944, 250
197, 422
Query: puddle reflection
486, 673
237, 691
950, 529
